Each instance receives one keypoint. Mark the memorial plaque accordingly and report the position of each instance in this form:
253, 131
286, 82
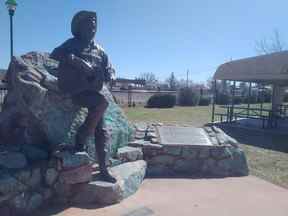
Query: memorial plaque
173, 135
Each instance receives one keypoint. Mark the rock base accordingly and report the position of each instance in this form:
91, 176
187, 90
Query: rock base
24, 190
129, 178
38, 120
223, 158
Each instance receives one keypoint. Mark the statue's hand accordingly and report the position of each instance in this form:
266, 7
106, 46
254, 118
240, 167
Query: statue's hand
81, 64
86, 67
109, 74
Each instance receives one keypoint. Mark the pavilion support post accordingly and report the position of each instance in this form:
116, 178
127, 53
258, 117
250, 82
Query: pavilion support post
277, 100
262, 99
232, 102
249, 99
214, 99
277, 97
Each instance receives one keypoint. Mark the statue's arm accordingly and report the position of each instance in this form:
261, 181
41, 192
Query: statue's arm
109, 72
64, 55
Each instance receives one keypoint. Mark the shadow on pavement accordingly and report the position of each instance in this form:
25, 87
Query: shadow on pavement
54, 209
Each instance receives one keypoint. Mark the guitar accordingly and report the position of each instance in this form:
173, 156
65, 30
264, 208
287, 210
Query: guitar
72, 79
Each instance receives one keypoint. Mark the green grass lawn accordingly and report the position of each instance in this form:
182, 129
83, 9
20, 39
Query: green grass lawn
196, 116
267, 154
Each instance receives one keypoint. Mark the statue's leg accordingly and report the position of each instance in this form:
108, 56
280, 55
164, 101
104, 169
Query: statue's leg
100, 138
81, 139
97, 105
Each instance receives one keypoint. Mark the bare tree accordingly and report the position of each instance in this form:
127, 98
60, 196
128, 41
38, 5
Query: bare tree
149, 77
273, 44
210, 84
172, 82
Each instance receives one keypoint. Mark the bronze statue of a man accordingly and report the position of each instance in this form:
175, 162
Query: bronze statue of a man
83, 68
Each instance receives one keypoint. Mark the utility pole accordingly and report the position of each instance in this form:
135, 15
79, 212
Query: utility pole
187, 78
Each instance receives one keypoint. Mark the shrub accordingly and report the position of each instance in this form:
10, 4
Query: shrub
187, 97
285, 98
222, 99
161, 101
204, 101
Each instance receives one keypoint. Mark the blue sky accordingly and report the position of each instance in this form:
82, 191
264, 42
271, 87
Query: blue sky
159, 36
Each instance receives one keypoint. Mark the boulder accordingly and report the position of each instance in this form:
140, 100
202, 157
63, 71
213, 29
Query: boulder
30, 177
77, 175
26, 203
51, 176
35, 178
36, 200
10, 186
12, 160
155, 141
129, 178
100, 192
45, 117
145, 145
128, 153
151, 135
34, 153
73, 160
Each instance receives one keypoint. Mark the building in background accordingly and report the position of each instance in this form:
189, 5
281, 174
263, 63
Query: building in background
125, 84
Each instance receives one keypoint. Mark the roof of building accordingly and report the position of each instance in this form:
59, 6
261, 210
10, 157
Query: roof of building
134, 81
270, 68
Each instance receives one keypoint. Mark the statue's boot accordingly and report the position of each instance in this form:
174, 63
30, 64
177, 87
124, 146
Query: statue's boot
101, 154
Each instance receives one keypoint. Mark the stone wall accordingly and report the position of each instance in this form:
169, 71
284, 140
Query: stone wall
222, 159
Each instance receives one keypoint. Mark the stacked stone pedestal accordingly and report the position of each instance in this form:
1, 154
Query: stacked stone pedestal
129, 178
68, 178
221, 158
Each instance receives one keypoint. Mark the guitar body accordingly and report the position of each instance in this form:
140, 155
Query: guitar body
73, 81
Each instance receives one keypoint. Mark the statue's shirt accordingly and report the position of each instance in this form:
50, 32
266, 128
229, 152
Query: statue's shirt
92, 53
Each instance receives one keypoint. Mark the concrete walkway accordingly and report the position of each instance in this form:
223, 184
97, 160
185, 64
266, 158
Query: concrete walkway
242, 196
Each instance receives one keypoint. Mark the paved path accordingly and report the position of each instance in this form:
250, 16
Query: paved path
243, 196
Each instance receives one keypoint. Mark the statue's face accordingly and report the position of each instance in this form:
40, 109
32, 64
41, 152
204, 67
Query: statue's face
88, 29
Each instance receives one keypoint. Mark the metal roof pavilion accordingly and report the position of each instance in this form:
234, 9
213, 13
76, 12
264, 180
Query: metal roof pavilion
269, 69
